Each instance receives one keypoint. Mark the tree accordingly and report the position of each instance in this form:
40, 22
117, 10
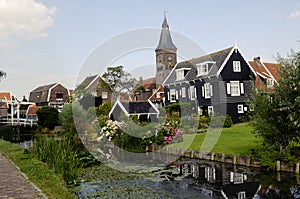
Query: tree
2, 74
277, 114
119, 80
47, 117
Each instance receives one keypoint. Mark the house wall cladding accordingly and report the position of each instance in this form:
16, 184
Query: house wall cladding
59, 89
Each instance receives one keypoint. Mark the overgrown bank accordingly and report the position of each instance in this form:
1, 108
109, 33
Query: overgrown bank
52, 184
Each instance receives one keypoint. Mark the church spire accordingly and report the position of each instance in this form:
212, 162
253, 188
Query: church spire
165, 41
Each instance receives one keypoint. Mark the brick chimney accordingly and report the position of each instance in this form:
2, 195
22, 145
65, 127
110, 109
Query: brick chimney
257, 61
141, 80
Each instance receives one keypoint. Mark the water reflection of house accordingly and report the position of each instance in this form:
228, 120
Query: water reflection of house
216, 181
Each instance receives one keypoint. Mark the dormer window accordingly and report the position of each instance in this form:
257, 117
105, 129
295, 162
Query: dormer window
59, 96
203, 68
236, 66
181, 73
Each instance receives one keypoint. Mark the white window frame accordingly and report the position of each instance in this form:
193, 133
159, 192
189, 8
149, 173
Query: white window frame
104, 95
236, 65
210, 110
202, 69
235, 86
207, 90
193, 92
179, 74
183, 92
242, 195
270, 83
172, 95
240, 108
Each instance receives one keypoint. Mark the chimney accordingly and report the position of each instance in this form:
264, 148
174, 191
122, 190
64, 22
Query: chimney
257, 61
141, 80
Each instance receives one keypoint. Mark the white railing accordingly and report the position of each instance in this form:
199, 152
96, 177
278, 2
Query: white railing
18, 121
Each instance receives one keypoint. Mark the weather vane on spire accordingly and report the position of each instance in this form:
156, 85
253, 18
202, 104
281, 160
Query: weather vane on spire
165, 12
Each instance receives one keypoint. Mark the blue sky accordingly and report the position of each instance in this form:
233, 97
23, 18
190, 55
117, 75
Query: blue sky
46, 41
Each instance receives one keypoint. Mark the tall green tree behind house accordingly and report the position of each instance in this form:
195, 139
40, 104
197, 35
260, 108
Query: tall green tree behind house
119, 80
277, 114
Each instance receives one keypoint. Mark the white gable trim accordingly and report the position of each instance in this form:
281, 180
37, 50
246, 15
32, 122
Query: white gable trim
228, 57
153, 107
269, 72
49, 92
174, 68
121, 106
92, 82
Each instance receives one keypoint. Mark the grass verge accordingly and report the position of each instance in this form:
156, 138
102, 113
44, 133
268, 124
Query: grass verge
238, 139
51, 184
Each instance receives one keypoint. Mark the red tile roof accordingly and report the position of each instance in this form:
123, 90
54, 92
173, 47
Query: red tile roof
147, 83
155, 95
32, 109
5, 96
274, 69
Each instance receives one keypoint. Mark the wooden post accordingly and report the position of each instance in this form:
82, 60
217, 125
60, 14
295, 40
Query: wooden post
192, 154
278, 165
223, 157
234, 159
248, 161
212, 157
297, 168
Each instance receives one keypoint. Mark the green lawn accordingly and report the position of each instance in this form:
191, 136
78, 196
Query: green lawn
238, 139
49, 182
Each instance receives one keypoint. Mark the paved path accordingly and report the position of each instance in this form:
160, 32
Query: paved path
13, 184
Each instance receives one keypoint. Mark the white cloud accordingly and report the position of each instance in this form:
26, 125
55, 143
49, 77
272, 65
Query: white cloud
23, 19
295, 14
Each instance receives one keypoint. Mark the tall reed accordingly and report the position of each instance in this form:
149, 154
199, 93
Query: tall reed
60, 155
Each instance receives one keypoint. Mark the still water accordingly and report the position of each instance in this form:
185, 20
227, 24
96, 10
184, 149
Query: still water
22, 136
190, 178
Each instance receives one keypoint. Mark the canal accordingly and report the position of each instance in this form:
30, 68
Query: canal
185, 178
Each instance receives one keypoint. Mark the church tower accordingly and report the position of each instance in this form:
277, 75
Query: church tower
166, 57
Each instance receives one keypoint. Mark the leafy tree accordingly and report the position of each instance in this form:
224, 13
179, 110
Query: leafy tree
277, 115
2, 74
119, 80
47, 117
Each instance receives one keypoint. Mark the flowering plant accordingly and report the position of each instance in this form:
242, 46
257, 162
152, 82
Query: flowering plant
172, 135
111, 129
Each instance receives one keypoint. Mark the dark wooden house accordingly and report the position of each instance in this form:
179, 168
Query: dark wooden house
217, 83
96, 87
55, 95
144, 110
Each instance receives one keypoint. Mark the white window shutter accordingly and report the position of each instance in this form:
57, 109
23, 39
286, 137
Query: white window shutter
203, 91
195, 90
189, 93
168, 95
211, 90
176, 94
228, 88
242, 88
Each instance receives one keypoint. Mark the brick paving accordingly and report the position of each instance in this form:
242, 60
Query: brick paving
13, 184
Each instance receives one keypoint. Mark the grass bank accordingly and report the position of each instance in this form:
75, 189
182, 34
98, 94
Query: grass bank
52, 184
238, 139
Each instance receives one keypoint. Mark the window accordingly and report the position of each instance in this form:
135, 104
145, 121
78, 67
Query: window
202, 69
183, 92
172, 95
240, 108
236, 66
59, 96
104, 95
179, 74
210, 110
207, 91
270, 83
193, 92
233, 88
242, 195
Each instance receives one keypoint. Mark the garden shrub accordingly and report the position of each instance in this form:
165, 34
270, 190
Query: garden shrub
104, 109
203, 122
47, 117
228, 121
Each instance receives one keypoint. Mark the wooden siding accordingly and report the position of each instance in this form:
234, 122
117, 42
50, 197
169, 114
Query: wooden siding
59, 89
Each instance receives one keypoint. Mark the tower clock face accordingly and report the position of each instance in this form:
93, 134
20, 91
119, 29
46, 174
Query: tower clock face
169, 58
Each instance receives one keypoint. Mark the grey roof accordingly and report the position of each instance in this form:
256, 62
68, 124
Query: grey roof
40, 94
165, 41
217, 58
86, 82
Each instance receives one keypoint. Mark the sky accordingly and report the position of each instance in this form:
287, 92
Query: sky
49, 41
